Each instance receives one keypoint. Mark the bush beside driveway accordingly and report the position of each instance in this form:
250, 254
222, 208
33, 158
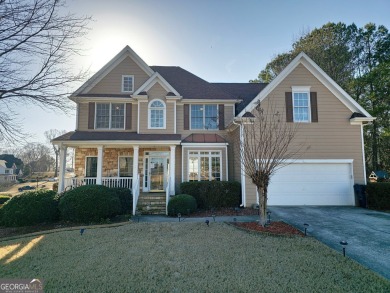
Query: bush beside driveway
182, 257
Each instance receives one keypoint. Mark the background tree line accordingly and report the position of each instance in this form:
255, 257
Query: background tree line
358, 59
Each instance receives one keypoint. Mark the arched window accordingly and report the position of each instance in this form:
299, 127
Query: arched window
156, 114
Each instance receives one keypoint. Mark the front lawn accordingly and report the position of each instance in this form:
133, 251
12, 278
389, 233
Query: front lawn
182, 257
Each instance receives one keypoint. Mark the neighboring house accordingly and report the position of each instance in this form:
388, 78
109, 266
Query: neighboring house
150, 128
7, 172
378, 175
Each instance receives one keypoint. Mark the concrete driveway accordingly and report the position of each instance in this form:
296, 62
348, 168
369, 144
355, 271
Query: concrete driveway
367, 232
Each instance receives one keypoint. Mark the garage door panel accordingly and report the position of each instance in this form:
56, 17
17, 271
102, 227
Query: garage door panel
312, 184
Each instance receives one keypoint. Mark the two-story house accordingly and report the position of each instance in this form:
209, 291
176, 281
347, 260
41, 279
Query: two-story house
150, 128
7, 172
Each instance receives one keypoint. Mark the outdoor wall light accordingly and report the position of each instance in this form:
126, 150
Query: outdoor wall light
269, 217
344, 244
207, 222
179, 216
306, 225
82, 231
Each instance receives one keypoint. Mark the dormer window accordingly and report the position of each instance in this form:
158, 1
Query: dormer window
127, 83
157, 114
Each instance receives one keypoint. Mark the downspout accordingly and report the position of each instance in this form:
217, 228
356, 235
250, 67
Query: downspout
242, 165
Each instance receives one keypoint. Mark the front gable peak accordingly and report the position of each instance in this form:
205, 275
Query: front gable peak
157, 78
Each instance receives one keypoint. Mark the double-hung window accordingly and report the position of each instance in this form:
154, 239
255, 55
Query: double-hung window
125, 166
110, 116
204, 166
204, 117
301, 104
156, 114
127, 83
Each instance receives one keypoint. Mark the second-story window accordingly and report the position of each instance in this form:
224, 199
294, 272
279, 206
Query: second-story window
204, 117
110, 116
156, 114
127, 83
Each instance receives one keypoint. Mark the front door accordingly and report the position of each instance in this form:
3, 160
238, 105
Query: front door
157, 176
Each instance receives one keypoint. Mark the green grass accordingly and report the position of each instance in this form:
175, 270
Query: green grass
182, 257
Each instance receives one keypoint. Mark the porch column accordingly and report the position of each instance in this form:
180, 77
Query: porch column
61, 180
135, 162
172, 171
99, 165
242, 165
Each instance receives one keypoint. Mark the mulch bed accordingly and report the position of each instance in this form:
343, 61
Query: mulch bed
278, 228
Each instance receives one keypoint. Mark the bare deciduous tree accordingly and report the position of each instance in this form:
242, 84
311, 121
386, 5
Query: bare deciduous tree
36, 158
50, 134
266, 140
37, 43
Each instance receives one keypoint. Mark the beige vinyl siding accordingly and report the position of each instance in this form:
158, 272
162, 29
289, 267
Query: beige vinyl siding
112, 82
157, 92
185, 151
234, 155
333, 137
83, 118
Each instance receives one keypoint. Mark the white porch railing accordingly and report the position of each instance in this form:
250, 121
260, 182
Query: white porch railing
167, 195
135, 192
124, 182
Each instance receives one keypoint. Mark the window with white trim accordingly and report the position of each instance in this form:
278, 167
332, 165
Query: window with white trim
125, 166
301, 104
127, 83
110, 116
204, 117
204, 166
157, 112
91, 167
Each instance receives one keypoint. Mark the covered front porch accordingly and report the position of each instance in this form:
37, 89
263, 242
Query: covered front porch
142, 166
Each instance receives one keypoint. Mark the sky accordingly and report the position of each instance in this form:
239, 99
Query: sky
218, 40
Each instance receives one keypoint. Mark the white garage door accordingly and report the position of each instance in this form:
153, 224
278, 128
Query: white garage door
313, 182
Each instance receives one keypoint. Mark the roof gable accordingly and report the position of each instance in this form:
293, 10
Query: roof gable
314, 69
106, 69
156, 78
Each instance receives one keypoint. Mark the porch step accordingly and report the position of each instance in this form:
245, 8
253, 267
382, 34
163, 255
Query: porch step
152, 203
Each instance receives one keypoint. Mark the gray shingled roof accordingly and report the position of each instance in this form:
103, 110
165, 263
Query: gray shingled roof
114, 135
243, 91
191, 86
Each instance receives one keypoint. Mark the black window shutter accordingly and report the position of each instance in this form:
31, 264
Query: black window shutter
221, 116
314, 107
289, 107
129, 108
186, 117
91, 115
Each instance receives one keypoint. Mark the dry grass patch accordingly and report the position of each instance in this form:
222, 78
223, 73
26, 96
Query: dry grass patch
183, 257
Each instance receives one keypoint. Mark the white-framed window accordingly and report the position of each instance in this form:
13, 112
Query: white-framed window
125, 166
127, 83
110, 116
204, 166
91, 166
204, 117
301, 104
157, 114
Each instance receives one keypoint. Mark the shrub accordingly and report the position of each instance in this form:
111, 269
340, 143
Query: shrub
55, 186
4, 198
125, 198
89, 203
181, 203
213, 194
30, 208
378, 195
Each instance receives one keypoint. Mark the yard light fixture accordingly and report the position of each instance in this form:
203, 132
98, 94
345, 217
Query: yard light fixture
235, 219
179, 216
137, 214
236, 209
306, 225
213, 217
207, 222
344, 244
269, 217
82, 231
